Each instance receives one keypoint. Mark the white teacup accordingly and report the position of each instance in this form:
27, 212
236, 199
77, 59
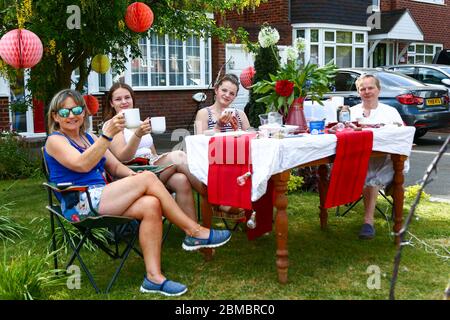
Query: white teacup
158, 124
132, 118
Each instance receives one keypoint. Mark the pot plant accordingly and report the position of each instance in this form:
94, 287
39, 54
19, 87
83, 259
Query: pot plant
286, 90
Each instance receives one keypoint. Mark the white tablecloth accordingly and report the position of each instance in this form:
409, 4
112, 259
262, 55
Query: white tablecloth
272, 156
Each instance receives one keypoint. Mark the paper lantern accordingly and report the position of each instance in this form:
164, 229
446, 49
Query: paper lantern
92, 104
247, 77
139, 17
100, 63
21, 48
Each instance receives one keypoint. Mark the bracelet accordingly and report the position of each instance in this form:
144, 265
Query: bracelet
137, 135
106, 137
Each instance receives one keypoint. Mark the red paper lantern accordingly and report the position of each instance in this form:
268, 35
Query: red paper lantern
21, 48
247, 77
139, 17
91, 103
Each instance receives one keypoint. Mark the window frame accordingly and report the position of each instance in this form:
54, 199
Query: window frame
412, 54
205, 70
323, 44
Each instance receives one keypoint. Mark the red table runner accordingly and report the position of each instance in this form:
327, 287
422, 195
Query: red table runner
229, 158
350, 166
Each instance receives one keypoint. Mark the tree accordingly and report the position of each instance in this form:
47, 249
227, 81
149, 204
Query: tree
265, 63
69, 45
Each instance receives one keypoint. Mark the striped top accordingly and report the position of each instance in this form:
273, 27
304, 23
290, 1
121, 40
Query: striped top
225, 128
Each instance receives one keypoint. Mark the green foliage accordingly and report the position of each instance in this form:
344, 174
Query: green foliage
63, 242
412, 191
25, 277
309, 81
9, 229
266, 63
102, 30
16, 160
295, 183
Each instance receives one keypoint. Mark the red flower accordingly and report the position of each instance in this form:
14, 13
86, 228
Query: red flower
284, 88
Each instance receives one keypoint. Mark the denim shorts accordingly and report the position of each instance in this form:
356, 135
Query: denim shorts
75, 205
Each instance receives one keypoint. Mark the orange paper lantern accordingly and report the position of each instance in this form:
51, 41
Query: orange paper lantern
21, 48
139, 17
91, 103
247, 77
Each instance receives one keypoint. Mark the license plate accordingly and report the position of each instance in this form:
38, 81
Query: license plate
434, 101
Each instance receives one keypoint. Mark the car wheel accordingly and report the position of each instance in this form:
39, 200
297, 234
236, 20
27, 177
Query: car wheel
420, 133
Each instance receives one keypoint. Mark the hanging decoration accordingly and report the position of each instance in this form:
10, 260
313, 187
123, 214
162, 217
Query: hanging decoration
139, 17
100, 63
91, 103
21, 48
247, 77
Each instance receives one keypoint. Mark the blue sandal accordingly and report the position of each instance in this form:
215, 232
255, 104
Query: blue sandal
216, 239
167, 287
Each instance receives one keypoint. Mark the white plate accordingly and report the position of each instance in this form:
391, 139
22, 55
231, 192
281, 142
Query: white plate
290, 128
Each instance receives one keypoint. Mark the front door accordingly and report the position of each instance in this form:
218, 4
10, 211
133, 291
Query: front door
379, 55
238, 60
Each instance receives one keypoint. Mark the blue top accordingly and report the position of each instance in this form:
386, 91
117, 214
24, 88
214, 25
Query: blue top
58, 173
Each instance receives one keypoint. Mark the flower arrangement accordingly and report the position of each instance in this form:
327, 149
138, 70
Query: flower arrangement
292, 81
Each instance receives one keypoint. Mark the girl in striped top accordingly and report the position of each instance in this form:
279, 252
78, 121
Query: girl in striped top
214, 117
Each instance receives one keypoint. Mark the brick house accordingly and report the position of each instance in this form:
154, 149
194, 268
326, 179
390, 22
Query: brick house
355, 33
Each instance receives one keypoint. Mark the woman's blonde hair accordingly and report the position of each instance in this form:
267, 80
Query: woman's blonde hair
56, 104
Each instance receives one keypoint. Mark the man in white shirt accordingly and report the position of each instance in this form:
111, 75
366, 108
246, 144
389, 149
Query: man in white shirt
380, 172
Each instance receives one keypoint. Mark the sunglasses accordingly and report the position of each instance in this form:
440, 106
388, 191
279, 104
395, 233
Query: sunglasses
65, 112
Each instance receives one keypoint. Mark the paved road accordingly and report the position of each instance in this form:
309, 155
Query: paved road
423, 153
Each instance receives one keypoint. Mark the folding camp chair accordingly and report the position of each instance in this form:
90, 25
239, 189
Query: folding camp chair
351, 205
85, 228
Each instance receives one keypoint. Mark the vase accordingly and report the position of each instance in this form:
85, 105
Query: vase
296, 115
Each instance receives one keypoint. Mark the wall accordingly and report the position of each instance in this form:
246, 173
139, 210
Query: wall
176, 105
4, 114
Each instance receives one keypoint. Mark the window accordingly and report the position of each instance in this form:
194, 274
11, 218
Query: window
375, 5
422, 52
432, 1
168, 61
431, 76
345, 81
347, 48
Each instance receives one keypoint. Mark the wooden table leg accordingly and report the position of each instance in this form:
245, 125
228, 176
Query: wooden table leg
323, 189
281, 224
398, 193
207, 221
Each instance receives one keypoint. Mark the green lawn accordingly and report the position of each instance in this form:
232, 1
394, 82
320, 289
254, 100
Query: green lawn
329, 264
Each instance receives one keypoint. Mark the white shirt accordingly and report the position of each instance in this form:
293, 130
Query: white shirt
144, 145
381, 114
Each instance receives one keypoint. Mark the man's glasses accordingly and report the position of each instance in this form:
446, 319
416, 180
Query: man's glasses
65, 112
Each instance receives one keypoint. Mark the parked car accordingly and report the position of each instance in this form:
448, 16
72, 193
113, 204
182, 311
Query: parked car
422, 106
436, 74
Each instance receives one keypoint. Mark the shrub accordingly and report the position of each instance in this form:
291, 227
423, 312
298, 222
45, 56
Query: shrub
25, 277
62, 242
411, 193
10, 229
295, 182
16, 161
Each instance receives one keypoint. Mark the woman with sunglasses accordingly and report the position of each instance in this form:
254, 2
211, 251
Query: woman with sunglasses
129, 144
80, 158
